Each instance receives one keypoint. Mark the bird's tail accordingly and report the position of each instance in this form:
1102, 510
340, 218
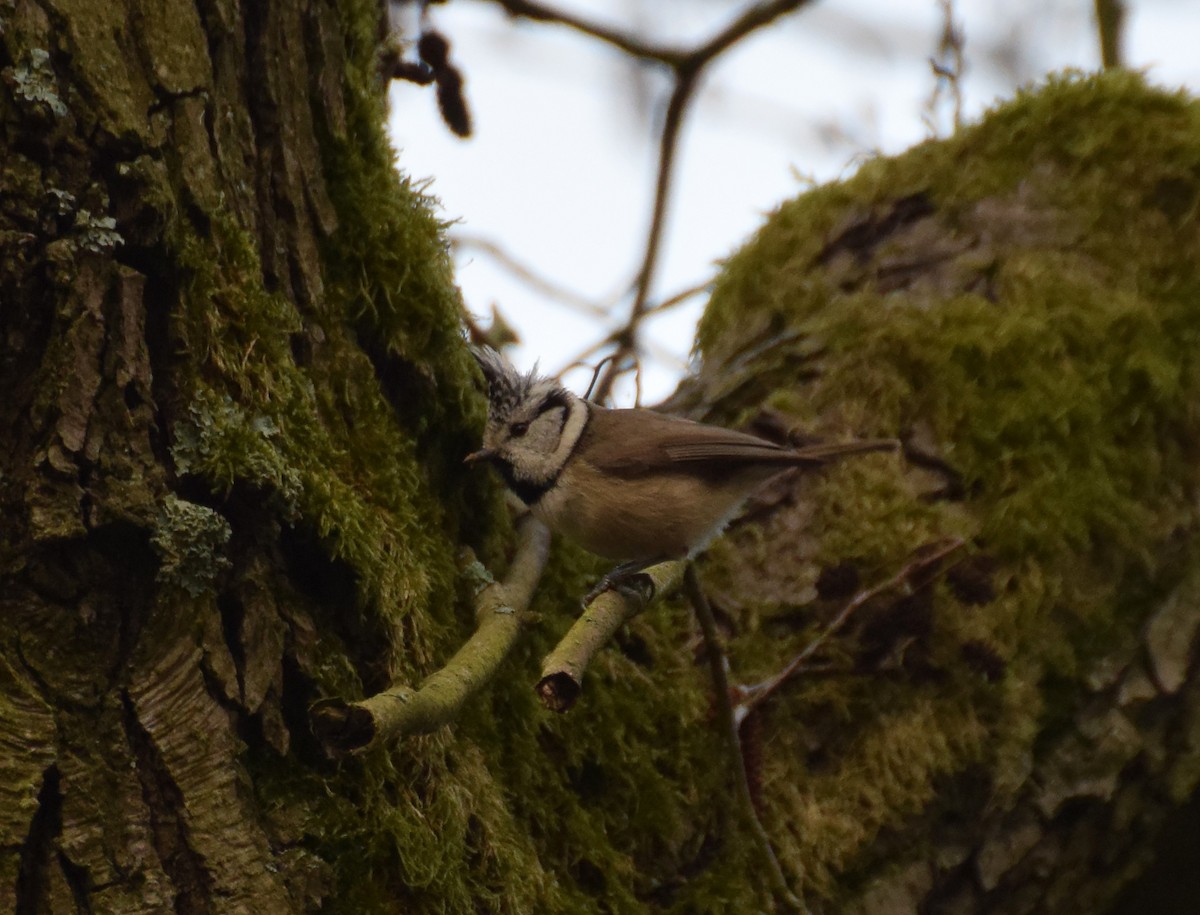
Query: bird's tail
824, 452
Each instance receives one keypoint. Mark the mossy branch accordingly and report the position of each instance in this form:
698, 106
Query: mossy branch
562, 669
400, 710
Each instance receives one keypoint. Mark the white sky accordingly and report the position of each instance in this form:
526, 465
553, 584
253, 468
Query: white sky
560, 170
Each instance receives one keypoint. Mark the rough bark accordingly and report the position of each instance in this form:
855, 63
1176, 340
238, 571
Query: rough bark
166, 187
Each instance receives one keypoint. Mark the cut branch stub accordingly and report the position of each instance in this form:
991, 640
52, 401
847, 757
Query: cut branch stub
341, 726
399, 710
562, 669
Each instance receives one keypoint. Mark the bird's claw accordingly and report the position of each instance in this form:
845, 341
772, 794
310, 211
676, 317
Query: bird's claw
637, 586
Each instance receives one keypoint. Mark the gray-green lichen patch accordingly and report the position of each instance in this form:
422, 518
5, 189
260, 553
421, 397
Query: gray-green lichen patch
97, 234
34, 82
219, 440
190, 541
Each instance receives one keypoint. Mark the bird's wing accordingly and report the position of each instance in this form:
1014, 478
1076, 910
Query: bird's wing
634, 442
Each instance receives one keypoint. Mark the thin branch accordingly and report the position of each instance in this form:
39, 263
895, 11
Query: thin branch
581, 358
595, 374
678, 298
948, 66
500, 612
687, 65
623, 41
1110, 23
688, 69
729, 724
563, 668
530, 277
753, 19
750, 697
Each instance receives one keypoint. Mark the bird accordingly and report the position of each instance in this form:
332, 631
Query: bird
631, 485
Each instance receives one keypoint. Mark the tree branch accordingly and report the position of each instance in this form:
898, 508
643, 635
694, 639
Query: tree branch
750, 697
688, 69
400, 710
623, 41
729, 724
1110, 23
547, 287
562, 669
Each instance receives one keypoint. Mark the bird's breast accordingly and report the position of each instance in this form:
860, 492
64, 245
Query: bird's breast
659, 515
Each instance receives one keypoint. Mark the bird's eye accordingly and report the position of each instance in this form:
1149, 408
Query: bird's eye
518, 429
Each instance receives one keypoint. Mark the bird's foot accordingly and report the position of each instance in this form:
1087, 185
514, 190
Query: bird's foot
633, 584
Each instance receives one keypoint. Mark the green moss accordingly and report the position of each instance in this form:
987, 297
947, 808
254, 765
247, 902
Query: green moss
1046, 342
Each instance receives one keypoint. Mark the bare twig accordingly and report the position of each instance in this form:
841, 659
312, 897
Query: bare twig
750, 697
729, 724
581, 358
947, 66
563, 668
400, 710
530, 277
687, 66
678, 298
595, 374
1110, 23
623, 41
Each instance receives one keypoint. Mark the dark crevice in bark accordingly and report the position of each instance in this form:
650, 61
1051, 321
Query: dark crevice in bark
233, 616
409, 391
164, 99
80, 882
25, 333
37, 852
299, 693
401, 383
1172, 882
862, 237
214, 32
168, 824
130, 577
158, 296
333, 586
301, 294
264, 125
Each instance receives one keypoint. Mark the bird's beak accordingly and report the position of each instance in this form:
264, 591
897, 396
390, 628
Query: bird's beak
483, 454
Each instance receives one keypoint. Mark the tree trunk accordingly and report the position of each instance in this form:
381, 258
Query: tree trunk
1019, 303
209, 504
236, 403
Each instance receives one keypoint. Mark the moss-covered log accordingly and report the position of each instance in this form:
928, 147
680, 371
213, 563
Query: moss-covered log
235, 407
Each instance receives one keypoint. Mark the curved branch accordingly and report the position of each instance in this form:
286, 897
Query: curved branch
400, 710
562, 669
547, 287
